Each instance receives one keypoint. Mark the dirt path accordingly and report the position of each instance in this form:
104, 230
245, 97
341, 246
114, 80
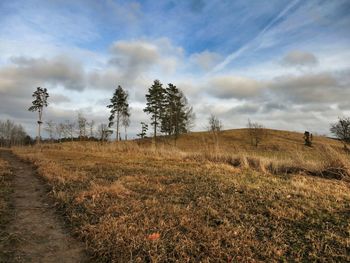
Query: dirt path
40, 233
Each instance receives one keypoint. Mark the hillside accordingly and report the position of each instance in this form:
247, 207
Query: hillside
276, 143
202, 203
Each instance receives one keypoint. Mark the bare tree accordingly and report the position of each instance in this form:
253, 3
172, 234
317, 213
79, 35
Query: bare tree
60, 130
256, 133
341, 130
103, 132
91, 126
126, 124
69, 129
215, 127
50, 128
82, 123
190, 118
12, 134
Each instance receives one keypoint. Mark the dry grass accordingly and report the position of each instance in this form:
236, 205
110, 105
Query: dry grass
130, 203
6, 215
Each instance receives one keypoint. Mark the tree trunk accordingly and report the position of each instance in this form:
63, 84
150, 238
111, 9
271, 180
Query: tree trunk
155, 130
38, 139
39, 127
117, 136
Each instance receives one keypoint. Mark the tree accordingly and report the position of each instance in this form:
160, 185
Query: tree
215, 127
60, 131
177, 114
155, 105
41, 95
341, 130
82, 123
103, 132
69, 129
91, 125
50, 128
144, 128
12, 134
119, 108
126, 122
256, 133
190, 118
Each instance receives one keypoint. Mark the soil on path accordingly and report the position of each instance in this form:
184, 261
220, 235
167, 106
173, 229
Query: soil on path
39, 232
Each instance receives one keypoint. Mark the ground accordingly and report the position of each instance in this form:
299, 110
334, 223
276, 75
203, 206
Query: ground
35, 232
199, 201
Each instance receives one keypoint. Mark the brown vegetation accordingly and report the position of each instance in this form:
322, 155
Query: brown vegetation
6, 215
129, 202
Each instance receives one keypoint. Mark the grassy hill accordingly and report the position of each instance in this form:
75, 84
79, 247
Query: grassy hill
231, 141
276, 144
201, 201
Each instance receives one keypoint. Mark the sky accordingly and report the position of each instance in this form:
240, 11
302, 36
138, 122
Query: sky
283, 64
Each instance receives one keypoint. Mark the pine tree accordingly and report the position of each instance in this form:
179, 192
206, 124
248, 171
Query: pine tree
144, 128
155, 105
177, 115
41, 95
119, 108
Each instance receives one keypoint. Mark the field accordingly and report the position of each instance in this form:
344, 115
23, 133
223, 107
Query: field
203, 202
5, 210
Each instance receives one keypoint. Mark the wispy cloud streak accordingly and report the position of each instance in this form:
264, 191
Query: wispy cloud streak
254, 41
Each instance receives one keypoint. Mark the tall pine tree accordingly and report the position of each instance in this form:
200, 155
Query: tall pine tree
119, 108
155, 105
177, 114
41, 95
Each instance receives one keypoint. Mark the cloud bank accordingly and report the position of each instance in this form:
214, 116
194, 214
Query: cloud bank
272, 71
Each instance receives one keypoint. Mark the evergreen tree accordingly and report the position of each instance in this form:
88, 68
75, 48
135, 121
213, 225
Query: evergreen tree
41, 95
144, 128
155, 105
119, 108
177, 115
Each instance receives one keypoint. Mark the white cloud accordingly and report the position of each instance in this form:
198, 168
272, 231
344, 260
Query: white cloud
309, 88
42, 72
299, 58
227, 87
206, 60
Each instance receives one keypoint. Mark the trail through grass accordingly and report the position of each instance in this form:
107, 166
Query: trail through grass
131, 203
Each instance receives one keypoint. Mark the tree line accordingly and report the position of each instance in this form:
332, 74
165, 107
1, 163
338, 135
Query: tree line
169, 112
12, 134
168, 108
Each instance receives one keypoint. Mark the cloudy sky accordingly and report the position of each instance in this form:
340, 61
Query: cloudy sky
285, 64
